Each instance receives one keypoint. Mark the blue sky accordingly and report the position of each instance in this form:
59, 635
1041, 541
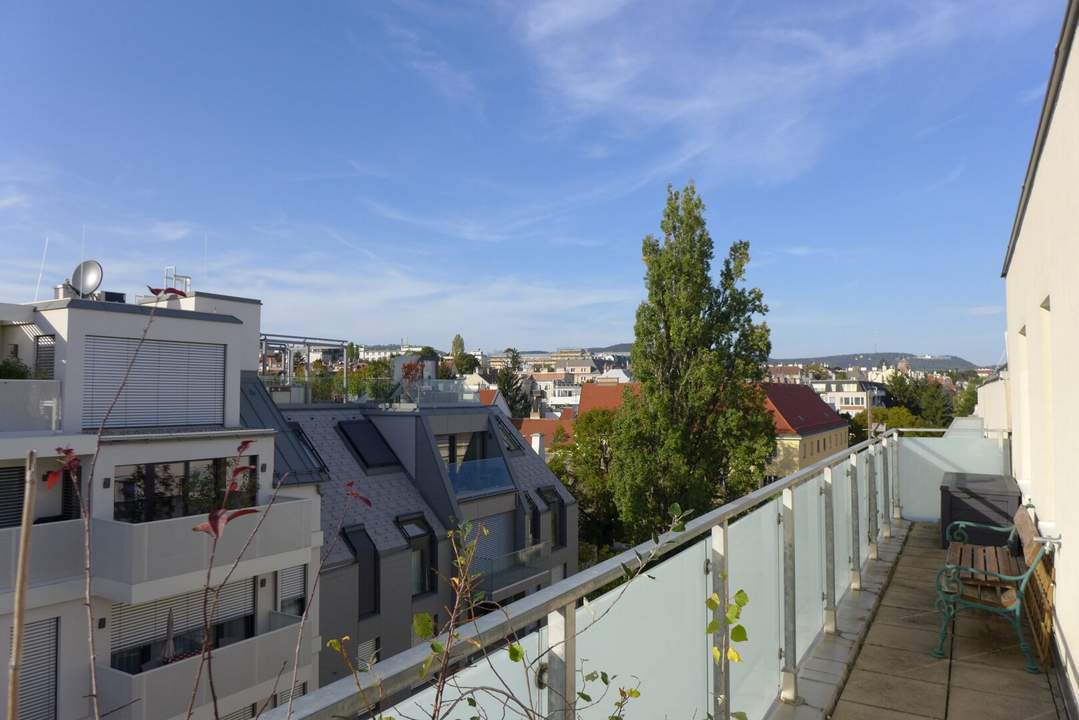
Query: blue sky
379, 171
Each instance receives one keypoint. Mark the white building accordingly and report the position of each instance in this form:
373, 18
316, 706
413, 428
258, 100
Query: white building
849, 396
161, 465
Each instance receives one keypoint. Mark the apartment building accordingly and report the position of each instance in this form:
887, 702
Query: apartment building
1043, 334
807, 428
850, 397
162, 464
393, 483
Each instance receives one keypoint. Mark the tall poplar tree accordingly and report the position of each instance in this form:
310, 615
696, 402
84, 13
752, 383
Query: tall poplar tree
698, 433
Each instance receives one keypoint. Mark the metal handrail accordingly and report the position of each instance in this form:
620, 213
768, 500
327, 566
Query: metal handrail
402, 671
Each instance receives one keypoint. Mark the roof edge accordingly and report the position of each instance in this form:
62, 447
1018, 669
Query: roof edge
1052, 93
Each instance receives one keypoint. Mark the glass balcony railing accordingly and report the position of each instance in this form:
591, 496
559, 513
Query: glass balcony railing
30, 405
478, 477
800, 577
507, 570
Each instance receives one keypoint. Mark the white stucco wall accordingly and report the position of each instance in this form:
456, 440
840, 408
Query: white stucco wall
1043, 342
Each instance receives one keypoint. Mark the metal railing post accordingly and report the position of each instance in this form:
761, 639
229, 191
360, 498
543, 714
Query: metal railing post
829, 553
789, 691
897, 505
886, 486
855, 525
871, 499
562, 662
721, 671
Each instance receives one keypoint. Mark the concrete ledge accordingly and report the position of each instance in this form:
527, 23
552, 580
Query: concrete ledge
823, 672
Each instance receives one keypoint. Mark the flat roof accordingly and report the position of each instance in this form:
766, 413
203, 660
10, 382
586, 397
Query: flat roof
101, 305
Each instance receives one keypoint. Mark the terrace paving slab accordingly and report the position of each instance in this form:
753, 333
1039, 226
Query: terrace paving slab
894, 677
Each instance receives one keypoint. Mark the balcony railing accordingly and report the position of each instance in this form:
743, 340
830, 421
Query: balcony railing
250, 666
55, 553
797, 547
479, 477
502, 574
30, 405
127, 555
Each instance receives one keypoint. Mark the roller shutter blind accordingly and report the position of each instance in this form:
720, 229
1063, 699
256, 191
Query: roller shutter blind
499, 539
12, 491
171, 383
134, 625
299, 690
45, 357
292, 583
37, 676
245, 713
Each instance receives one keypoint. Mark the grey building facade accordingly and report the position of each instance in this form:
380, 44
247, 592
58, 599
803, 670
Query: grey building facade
392, 484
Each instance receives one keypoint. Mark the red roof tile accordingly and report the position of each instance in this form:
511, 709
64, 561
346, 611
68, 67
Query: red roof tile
545, 427
603, 397
797, 410
487, 397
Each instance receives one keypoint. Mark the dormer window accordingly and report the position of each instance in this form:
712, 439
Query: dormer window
422, 548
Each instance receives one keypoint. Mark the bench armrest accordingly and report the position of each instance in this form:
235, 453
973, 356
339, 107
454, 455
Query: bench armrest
957, 530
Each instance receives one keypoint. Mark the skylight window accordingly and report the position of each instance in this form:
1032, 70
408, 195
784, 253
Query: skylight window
368, 443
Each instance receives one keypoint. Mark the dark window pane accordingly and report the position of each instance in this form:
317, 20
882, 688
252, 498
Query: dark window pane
368, 443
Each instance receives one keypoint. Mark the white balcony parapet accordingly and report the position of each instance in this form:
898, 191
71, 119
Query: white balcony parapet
30, 405
797, 547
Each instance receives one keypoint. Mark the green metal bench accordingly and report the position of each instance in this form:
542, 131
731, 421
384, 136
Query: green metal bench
994, 579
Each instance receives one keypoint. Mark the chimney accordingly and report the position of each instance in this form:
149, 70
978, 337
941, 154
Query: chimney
537, 445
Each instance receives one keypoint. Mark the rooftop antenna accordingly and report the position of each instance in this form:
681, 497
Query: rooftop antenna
86, 277
44, 253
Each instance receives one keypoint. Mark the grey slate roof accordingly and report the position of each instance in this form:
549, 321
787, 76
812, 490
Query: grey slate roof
392, 494
258, 410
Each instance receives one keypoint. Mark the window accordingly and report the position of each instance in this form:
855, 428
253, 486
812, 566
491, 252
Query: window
510, 440
557, 515
367, 558
422, 548
367, 652
368, 444
44, 356
292, 590
159, 491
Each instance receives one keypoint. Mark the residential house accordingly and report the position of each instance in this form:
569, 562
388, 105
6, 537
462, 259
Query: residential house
163, 462
807, 428
794, 374
850, 397
613, 376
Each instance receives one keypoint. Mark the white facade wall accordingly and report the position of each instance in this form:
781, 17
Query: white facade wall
1043, 342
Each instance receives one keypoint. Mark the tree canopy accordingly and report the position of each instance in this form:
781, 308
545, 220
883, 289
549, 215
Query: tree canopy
509, 384
584, 467
698, 433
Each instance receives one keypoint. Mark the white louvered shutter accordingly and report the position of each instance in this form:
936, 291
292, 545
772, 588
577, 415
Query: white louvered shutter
367, 652
134, 625
291, 583
45, 357
299, 690
37, 675
245, 713
171, 383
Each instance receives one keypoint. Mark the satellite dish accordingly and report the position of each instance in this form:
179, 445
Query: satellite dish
86, 278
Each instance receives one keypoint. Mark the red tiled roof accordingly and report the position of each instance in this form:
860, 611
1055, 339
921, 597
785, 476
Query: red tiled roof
797, 410
603, 397
545, 427
488, 396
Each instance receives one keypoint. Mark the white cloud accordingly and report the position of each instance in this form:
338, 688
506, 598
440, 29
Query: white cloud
11, 199
445, 78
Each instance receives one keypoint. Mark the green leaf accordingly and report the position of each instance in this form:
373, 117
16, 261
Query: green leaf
738, 633
437, 647
733, 655
517, 653
674, 510
741, 599
334, 645
733, 613
471, 701
739, 716
423, 625
717, 656
634, 693
427, 666
678, 527
712, 627
712, 601
591, 676
605, 678
584, 696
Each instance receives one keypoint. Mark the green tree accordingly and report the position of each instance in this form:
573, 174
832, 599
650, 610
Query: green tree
457, 346
698, 433
509, 384
967, 398
893, 417
936, 406
428, 353
584, 466
816, 371
465, 364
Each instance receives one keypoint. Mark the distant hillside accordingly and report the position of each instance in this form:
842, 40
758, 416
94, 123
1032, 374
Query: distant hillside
620, 348
917, 362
